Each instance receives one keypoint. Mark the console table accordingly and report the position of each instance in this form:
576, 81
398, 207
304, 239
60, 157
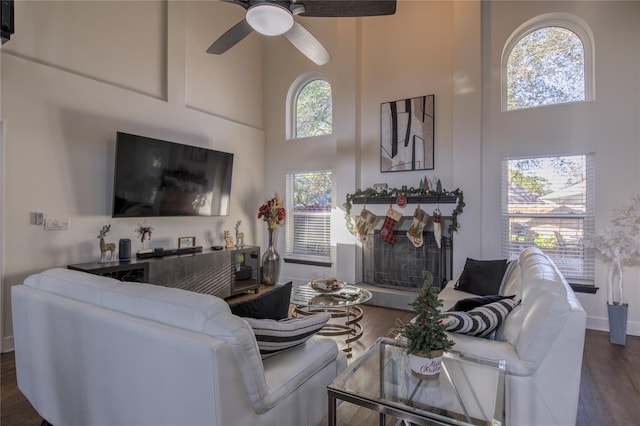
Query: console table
221, 273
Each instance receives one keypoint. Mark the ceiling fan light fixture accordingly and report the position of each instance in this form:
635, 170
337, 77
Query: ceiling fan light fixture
269, 19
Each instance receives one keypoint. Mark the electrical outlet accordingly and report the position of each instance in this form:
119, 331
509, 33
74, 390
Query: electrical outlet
56, 224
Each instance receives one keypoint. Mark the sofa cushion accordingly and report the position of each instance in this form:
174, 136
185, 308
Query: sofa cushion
540, 274
510, 328
273, 304
511, 280
480, 321
482, 277
275, 336
470, 303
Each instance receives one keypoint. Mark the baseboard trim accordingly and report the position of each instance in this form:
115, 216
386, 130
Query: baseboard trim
602, 324
7, 344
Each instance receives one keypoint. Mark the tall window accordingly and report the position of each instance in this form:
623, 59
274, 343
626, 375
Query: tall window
309, 107
548, 202
308, 224
314, 109
547, 62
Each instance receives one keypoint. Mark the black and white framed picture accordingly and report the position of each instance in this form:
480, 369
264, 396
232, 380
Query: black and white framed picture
406, 134
186, 242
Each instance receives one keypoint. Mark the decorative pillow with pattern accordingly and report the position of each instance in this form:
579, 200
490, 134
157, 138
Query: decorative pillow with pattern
481, 321
275, 336
470, 303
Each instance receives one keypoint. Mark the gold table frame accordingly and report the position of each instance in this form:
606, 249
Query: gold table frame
342, 304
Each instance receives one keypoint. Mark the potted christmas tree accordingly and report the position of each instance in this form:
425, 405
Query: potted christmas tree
426, 336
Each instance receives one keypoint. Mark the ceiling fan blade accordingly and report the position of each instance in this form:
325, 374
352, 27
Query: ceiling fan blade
307, 44
347, 8
232, 37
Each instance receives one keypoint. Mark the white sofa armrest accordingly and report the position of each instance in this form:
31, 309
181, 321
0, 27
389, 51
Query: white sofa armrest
288, 370
490, 349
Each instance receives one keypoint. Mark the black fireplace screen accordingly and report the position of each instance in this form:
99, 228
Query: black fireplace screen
400, 265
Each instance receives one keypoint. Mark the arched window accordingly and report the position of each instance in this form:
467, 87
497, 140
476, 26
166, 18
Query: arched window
309, 107
548, 61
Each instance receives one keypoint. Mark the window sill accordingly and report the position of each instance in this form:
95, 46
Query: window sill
308, 262
581, 288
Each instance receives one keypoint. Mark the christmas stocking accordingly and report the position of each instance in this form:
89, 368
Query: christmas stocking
437, 227
420, 218
364, 224
390, 222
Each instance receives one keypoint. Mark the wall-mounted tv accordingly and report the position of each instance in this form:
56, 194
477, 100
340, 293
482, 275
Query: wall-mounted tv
160, 178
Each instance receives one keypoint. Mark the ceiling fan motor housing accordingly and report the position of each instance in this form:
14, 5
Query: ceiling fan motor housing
269, 18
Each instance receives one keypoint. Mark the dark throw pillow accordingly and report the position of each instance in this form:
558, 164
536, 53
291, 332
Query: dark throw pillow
482, 277
273, 304
479, 322
470, 303
275, 336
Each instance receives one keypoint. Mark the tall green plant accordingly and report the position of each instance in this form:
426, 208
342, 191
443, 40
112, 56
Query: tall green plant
426, 332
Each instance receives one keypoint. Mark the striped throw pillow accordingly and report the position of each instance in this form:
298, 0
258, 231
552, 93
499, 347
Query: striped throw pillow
275, 336
480, 321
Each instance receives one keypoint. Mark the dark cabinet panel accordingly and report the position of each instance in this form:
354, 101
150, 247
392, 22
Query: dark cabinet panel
222, 273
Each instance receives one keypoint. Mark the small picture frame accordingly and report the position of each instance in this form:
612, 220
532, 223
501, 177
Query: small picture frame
186, 242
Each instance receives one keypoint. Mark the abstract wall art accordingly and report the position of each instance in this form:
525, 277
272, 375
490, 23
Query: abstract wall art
407, 134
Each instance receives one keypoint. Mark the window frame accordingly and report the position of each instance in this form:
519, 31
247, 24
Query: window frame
564, 20
292, 101
585, 283
309, 259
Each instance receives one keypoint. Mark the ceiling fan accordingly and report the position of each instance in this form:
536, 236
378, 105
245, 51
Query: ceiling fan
275, 17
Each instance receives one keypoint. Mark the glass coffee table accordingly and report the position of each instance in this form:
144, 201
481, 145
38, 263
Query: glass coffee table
342, 304
469, 391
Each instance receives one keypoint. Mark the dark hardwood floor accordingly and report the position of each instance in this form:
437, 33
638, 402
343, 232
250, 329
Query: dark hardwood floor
609, 389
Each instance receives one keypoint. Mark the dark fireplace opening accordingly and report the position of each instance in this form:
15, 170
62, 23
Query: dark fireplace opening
401, 265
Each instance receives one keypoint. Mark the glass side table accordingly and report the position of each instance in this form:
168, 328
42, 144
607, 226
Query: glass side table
343, 304
469, 391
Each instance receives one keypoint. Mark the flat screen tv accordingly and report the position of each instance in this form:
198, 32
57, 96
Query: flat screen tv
160, 178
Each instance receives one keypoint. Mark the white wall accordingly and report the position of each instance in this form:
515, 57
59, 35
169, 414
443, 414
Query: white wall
452, 49
608, 125
70, 83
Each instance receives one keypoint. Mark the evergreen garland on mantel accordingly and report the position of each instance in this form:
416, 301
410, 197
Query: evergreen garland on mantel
370, 193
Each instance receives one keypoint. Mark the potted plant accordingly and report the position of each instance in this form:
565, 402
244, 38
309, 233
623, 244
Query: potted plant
426, 336
619, 244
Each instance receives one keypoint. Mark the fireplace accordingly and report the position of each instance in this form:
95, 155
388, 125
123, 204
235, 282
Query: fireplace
400, 266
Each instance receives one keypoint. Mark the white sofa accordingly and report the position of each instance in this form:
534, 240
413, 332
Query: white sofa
91, 350
542, 340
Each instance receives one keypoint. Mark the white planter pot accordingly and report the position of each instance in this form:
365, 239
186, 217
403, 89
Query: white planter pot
426, 366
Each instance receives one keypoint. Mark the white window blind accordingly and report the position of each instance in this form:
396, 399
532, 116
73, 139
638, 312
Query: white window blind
308, 225
548, 202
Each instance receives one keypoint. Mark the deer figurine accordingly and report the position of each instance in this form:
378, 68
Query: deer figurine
106, 247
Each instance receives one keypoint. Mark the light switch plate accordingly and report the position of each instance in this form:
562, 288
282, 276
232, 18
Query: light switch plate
37, 218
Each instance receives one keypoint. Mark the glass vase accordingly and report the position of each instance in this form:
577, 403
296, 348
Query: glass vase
270, 262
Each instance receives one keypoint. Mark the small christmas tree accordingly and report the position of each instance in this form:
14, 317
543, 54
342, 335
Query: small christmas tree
426, 333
